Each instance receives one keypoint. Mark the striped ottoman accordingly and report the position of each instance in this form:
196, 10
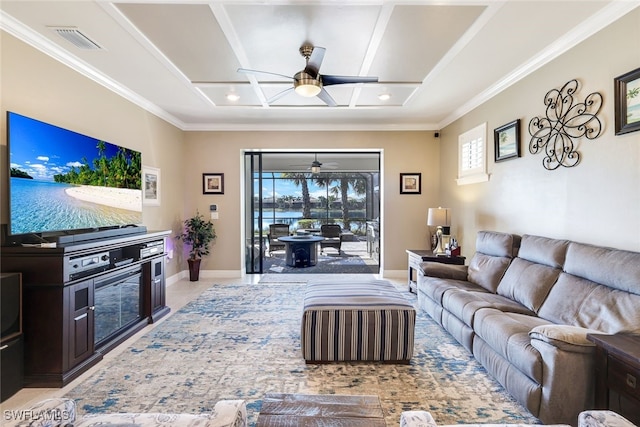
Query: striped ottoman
361, 321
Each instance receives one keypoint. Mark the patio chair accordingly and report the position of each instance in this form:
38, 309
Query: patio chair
276, 231
332, 234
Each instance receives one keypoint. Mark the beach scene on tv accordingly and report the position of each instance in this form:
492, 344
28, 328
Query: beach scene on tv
61, 180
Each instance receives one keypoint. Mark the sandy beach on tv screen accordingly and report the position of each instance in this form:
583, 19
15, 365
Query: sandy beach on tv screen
121, 198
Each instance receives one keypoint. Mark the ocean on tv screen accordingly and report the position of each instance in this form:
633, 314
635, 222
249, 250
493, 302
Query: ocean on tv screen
62, 180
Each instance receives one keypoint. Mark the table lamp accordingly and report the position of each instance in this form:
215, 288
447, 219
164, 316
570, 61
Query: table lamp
439, 217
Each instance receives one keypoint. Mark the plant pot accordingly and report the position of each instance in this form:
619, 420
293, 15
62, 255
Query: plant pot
194, 269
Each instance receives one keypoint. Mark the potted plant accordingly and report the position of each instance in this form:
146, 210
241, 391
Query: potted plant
199, 234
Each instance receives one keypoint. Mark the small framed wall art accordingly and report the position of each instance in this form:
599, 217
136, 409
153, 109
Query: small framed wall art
507, 141
150, 186
627, 102
212, 183
410, 183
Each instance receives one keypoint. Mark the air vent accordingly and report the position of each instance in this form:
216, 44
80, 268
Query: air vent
76, 37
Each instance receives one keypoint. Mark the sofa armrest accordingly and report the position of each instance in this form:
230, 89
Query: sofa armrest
564, 337
602, 419
567, 371
443, 271
417, 419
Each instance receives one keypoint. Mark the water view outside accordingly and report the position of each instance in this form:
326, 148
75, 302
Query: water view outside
318, 217
306, 201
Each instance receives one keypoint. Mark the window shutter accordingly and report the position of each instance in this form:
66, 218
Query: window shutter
472, 156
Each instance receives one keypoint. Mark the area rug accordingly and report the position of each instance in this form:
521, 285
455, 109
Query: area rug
243, 341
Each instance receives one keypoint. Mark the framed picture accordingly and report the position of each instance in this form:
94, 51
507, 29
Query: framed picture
627, 101
212, 183
507, 141
410, 183
150, 186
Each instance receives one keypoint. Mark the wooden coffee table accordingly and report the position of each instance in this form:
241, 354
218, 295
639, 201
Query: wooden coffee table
315, 410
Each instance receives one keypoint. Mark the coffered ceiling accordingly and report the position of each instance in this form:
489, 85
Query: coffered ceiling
435, 60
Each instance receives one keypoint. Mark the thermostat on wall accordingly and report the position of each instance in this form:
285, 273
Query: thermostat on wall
214, 211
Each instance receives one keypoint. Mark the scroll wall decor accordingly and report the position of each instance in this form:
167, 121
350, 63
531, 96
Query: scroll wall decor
565, 120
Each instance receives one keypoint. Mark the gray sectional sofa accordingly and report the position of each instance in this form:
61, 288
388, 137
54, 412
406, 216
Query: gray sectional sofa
524, 306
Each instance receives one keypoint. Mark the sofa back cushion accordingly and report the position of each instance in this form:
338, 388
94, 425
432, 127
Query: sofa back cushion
613, 268
528, 283
494, 252
599, 289
543, 250
532, 274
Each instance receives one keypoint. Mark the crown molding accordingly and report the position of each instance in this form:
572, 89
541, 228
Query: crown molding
601, 19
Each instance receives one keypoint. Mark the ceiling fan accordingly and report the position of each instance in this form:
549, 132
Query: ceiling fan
309, 82
316, 165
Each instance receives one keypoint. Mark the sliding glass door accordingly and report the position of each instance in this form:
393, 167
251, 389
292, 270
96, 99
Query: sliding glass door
305, 190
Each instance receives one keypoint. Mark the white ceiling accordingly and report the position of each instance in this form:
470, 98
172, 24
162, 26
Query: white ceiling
436, 59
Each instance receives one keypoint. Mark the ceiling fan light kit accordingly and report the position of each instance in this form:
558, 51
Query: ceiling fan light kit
305, 85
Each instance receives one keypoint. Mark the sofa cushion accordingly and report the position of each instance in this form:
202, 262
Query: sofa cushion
494, 252
614, 268
464, 304
497, 244
508, 335
435, 288
486, 270
580, 302
543, 250
528, 283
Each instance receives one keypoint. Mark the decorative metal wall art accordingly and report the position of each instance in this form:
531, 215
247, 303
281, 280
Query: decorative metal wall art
565, 120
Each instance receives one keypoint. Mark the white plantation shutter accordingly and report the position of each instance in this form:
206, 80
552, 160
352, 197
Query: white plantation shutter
472, 156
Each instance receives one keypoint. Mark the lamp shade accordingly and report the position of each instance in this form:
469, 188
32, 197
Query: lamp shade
439, 217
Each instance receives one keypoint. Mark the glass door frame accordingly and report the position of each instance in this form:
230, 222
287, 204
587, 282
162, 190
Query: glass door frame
252, 186
256, 245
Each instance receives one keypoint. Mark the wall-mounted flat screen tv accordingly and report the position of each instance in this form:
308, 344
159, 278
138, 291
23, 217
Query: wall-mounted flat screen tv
63, 181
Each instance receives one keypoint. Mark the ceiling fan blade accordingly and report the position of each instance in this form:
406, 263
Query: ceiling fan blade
324, 95
247, 71
338, 80
315, 60
279, 95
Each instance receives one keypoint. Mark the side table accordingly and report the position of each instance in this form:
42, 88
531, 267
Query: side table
617, 366
416, 256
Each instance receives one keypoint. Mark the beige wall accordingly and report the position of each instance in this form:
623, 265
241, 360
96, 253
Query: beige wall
404, 216
37, 86
597, 201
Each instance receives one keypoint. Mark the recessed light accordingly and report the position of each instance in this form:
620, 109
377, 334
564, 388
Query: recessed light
384, 96
233, 97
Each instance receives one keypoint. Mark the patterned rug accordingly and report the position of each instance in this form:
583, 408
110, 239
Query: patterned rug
243, 341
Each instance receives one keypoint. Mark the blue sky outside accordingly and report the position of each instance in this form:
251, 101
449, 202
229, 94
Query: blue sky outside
43, 150
284, 187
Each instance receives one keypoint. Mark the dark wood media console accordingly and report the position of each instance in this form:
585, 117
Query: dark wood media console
82, 299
